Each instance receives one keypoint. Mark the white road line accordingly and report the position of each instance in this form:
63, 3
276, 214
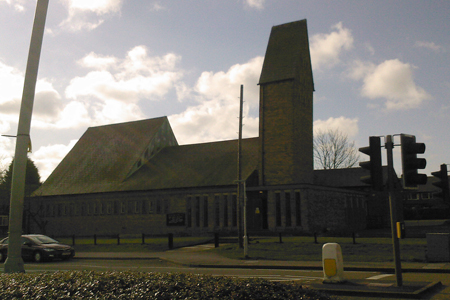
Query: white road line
376, 277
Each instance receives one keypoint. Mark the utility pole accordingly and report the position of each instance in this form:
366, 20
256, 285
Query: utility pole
14, 262
393, 209
239, 180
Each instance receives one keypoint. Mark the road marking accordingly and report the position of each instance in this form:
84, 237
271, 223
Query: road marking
434, 266
274, 277
376, 277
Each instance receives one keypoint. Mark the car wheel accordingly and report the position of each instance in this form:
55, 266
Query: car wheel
37, 256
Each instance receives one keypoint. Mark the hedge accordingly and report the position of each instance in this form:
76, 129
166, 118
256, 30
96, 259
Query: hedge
137, 285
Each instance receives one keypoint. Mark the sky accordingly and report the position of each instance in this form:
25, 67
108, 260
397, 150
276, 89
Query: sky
380, 68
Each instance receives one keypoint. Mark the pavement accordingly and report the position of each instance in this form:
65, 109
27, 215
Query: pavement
197, 256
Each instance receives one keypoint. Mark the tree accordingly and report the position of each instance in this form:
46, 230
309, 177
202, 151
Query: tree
32, 180
332, 150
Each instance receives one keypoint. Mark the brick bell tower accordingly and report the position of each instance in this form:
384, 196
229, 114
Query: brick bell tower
286, 107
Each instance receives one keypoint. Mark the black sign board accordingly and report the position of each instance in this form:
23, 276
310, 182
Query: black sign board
176, 219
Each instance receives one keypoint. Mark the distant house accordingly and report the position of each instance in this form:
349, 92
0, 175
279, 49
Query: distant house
134, 177
422, 203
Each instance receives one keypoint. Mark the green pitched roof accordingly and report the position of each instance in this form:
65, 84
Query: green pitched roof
144, 155
287, 55
198, 165
103, 157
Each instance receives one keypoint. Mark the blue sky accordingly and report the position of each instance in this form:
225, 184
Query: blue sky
380, 68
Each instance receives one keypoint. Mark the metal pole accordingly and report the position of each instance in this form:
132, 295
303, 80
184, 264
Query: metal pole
239, 212
14, 262
393, 208
245, 223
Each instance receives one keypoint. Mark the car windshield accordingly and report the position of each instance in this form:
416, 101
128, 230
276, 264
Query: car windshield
42, 239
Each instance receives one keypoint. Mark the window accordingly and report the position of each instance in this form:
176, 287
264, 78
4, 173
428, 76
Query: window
109, 207
4, 220
83, 209
234, 209
158, 206
298, 209
197, 211
49, 210
225, 210
278, 209
287, 199
150, 207
123, 207
166, 206
205, 211
426, 196
413, 196
189, 212
217, 210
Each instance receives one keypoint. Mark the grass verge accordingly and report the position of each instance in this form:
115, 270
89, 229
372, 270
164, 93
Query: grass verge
305, 249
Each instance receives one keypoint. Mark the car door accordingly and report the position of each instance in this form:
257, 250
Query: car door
27, 248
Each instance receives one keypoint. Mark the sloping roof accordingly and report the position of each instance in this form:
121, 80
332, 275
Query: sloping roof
198, 165
102, 158
105, 159
287, 55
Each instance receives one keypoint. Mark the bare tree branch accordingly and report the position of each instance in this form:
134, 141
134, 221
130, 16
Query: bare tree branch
332, 150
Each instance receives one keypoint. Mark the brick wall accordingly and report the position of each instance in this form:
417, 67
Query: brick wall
286, 134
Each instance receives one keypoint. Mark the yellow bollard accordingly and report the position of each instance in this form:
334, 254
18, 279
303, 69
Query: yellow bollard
333, 263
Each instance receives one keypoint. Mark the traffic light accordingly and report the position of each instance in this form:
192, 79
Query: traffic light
374, 164
410, 162
442, 175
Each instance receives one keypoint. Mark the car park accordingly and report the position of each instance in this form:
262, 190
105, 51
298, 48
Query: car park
38, 248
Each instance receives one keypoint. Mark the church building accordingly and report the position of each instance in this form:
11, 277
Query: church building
133, 178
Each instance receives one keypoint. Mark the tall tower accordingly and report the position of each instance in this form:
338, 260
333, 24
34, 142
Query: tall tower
286, 107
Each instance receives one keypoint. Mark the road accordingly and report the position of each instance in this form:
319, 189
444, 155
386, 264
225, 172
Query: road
303, 277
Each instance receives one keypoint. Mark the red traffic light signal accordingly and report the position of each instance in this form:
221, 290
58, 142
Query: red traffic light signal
442, 175
374, 164
410, 162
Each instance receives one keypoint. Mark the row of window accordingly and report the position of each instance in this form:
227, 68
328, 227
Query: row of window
225, 210
155, 206
291, 203
418, 196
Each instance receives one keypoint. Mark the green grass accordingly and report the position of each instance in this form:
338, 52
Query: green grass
305, 249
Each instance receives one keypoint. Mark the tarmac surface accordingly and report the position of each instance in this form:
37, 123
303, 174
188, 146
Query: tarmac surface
197, 256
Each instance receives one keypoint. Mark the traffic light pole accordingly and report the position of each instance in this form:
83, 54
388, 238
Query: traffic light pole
393, 209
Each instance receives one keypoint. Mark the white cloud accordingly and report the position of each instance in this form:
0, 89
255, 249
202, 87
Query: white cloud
89, 14
17, 4
137, 76
95, 61
47, 158
11, 83
216, 117
118, 85
428, 45
156, 6
326, 48
47, 101
343, 124
258, 4
392, 81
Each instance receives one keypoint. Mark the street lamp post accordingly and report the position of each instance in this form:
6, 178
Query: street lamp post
14, 262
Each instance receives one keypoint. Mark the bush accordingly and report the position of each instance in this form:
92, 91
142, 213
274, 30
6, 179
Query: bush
134, 285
